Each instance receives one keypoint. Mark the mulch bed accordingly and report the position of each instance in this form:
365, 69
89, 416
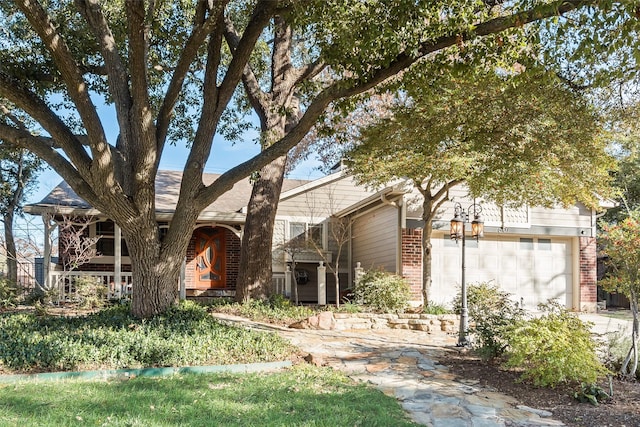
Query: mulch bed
622, 410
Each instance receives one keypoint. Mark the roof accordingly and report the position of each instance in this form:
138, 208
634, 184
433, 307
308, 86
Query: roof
228, 206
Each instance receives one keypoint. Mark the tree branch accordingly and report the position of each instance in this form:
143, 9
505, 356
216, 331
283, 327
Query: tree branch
36, 108
256, 96
71, 73
43, 148
200, 31
118, 79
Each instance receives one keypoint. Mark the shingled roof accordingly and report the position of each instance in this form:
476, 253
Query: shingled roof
229, 205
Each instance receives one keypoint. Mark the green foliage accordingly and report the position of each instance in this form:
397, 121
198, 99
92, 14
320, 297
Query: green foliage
591, 393
382, 291
511, 137
433, 308
621, 247
8, 293
555, 348
111, 338
90, 292
277, 309
492, 313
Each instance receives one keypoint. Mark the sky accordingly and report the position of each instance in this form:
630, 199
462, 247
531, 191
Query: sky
224, 156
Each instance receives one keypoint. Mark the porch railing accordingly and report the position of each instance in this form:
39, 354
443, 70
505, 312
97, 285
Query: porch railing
66, 284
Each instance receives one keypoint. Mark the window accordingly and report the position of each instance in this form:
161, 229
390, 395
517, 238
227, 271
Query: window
308, 231
544, 244
106, 244
526, 243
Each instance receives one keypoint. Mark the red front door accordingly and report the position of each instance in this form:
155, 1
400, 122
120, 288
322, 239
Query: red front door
210, 258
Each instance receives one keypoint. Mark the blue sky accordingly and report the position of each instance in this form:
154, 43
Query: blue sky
224, 156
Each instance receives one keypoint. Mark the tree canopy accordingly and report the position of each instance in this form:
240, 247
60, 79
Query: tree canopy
512, 137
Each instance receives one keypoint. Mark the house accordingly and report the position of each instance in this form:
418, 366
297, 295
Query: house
533, 253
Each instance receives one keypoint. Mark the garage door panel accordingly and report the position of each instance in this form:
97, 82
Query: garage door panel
533, 272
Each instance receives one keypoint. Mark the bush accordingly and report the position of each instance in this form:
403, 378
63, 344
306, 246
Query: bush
277, 309
90, 292
553, 349
382, 291
492, 312
8, 293
616, 350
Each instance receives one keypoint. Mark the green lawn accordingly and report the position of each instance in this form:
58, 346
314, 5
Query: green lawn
301, 396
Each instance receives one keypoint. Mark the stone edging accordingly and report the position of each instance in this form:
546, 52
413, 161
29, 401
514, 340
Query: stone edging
146, 372
446, 324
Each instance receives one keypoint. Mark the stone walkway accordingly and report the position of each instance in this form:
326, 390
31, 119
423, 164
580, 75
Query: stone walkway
402, 364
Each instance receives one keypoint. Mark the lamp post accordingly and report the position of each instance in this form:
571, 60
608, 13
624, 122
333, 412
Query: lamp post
460, 219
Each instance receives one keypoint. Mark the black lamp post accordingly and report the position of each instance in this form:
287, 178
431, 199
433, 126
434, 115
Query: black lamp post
460, 218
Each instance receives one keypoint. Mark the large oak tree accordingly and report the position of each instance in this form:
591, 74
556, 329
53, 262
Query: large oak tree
171, 71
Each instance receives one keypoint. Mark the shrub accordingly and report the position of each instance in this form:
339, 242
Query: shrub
8, 293
382, 291
492, 312
277, 309
554, 348
616, 350
90, 292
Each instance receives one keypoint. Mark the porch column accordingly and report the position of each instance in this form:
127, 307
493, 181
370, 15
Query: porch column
287, 281
46, 262
117, 258
322, 284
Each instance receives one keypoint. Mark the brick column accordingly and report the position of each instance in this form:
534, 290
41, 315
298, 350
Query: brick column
412, 261
588, 274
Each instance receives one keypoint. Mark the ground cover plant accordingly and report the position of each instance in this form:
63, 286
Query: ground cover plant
112, 339
302, 396
276, 309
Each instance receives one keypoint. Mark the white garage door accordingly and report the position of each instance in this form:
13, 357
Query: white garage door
532, 269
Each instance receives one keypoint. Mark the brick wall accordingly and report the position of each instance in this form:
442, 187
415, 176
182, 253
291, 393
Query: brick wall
588, 274
233, 258
412, 261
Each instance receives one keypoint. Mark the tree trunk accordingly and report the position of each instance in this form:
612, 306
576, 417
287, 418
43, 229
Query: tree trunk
254, 277
155, 274
12, 256
630, 364
335, 273
427, 256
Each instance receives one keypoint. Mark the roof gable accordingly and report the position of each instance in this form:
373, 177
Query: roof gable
167, 191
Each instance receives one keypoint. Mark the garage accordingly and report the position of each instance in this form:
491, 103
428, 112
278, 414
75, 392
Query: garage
533, 269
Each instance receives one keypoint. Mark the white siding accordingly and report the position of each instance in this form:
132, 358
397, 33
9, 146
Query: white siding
278, 240
516, 219
375, 239
320, 202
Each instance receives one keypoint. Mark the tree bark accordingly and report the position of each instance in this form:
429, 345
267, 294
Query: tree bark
427, 256
10, 243
255, 276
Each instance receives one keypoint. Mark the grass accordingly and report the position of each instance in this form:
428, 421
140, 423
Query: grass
302, 396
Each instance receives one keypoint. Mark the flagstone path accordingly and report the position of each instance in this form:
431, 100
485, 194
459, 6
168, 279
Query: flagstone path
403, 364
